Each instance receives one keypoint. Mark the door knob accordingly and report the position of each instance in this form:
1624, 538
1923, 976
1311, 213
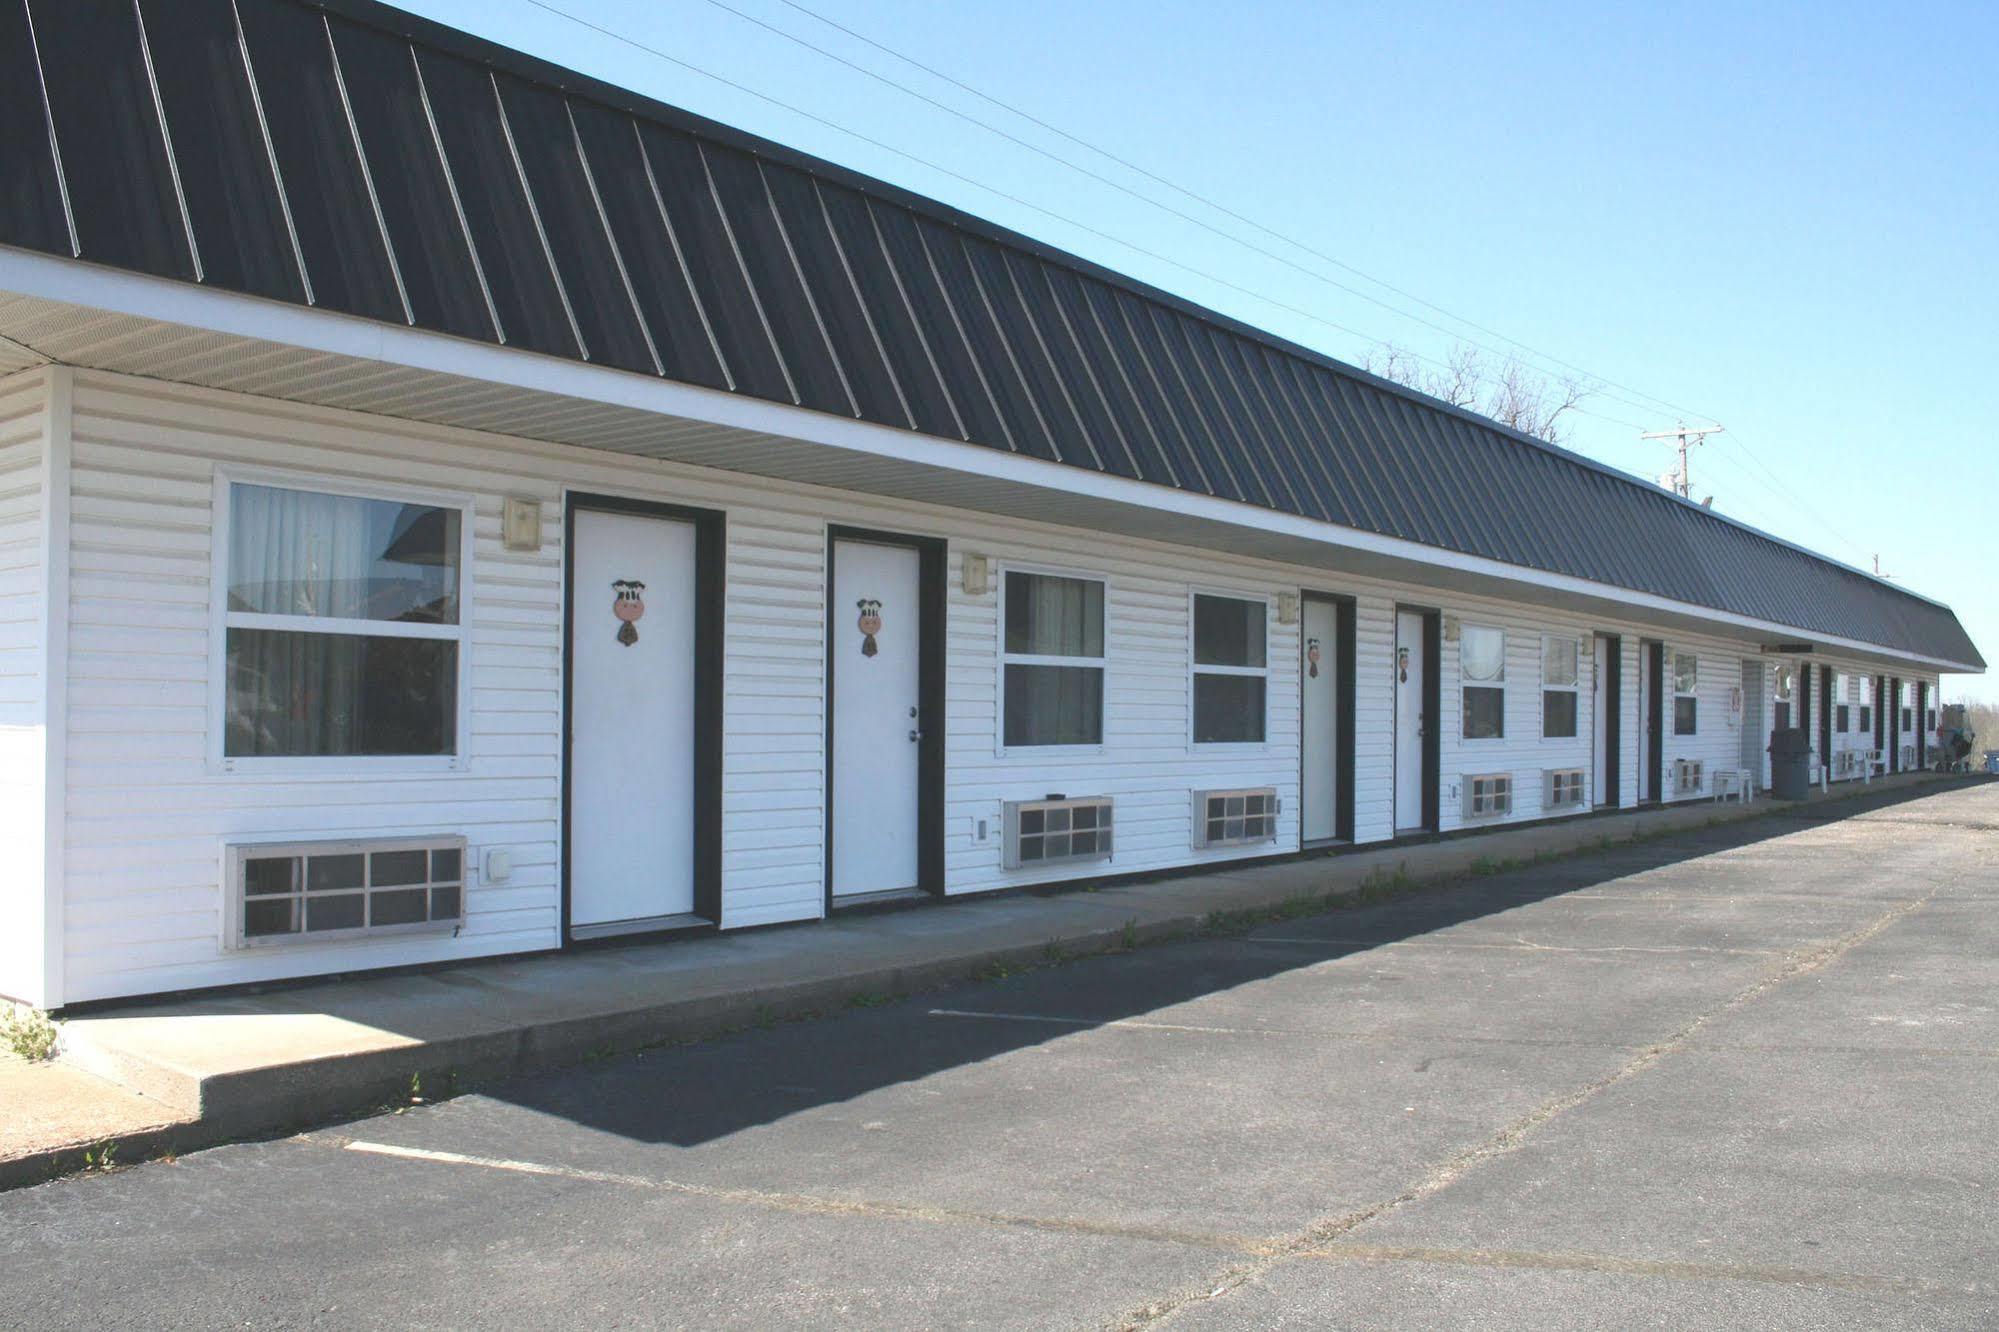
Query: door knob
915, 735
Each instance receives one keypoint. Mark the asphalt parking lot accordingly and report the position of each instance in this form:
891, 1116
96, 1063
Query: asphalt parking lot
1743, 1077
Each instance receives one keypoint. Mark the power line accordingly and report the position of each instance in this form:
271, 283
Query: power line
1167, 208
995, 191
1066, 220
1195, 195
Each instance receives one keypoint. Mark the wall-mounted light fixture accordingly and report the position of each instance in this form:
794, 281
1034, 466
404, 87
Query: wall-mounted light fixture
974, 575
1588, 648
1450, 628
1287, 608
520, 524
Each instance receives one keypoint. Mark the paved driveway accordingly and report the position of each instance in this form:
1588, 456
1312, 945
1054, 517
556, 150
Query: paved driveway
1746, 1077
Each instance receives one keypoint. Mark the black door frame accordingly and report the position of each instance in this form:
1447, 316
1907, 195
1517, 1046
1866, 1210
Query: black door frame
1654, 776
932, 572
1433, 646
1827, 706
710, 593
1880, 717
1895, 723
1922, 724
1345, 654
1611, 660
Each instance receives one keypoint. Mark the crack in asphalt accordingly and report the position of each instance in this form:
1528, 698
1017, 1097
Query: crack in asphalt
1613, 1264
1323, 1236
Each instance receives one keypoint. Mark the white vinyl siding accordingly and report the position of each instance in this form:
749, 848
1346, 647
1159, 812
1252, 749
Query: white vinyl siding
22, 699
147, 814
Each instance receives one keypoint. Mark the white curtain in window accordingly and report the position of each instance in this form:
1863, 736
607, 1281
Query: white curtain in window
1055, 617
1482, 653
294, 552
1558, 663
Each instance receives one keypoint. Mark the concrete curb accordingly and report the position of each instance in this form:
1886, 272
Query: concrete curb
288, 1097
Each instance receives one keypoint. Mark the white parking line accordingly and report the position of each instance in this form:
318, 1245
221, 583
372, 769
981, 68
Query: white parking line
501, 1163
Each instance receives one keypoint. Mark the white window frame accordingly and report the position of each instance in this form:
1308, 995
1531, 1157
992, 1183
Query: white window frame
1463, 684
1678, 693
1573, 687
1196, 669
222, 620
1002, 659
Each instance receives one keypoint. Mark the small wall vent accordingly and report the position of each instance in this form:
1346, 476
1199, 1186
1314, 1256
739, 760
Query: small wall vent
1044, 832
1235, 818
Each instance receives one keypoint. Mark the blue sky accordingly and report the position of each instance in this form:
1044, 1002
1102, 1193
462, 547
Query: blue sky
1779, 217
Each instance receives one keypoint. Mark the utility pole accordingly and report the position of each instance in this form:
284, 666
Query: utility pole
1689, 437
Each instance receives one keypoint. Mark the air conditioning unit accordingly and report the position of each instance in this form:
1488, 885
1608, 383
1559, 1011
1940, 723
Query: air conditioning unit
1848, 763
1688, 776
1562, 788
314, 891
1487, 795
1908, 757
1057, 830
1235, 818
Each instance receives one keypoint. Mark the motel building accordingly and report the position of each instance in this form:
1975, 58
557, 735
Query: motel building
451, 507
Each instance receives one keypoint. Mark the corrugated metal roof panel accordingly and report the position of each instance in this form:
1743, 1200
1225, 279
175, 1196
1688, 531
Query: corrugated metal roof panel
347, 155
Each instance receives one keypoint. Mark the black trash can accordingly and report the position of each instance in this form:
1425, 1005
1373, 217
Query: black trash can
1790, 764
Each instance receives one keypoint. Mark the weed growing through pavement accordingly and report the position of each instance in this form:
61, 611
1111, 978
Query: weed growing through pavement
28, 1032
101, 1157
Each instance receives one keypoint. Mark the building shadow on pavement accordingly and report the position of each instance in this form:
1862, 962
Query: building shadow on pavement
695, 1093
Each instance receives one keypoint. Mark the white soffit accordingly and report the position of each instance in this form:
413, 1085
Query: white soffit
34, 325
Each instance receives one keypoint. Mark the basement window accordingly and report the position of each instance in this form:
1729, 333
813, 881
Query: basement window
1231, 670
1482, 672
1686, 676
1559, 674
342, 626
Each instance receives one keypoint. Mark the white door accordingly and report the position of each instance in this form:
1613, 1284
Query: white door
1318, 670
1645, 791
631, 723
1409, 720
877, 636
1601, 720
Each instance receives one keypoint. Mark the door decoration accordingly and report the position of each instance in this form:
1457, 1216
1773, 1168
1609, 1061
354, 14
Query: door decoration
1402, 665
1312, 657
628, 606
869, 624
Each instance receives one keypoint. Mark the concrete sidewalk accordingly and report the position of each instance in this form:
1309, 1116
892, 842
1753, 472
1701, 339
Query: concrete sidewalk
205, 1070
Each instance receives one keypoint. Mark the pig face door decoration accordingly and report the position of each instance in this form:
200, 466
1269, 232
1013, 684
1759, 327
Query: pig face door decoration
869, 624
628, 606
1312, 657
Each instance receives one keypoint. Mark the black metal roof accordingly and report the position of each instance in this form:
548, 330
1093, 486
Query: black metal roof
346, 155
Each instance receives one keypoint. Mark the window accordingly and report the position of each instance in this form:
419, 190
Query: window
1866, 703
342, 626
1559, 657
1052, 661
1686, 675
319, 890
1931, 723
1842, 717
1230, 674
1482, 668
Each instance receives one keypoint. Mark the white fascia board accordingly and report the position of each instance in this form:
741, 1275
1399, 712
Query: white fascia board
170, 301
